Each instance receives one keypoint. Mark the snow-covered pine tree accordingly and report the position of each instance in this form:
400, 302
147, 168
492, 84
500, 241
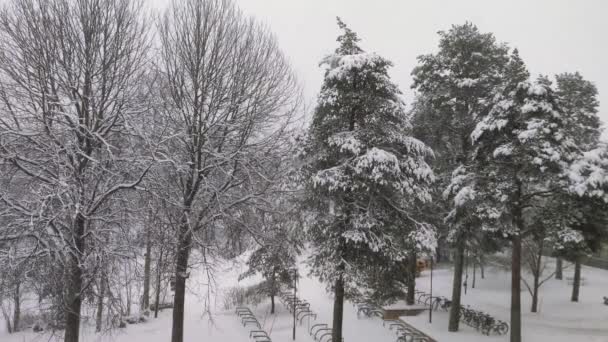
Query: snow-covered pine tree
363, 172
579, 214
584, 214
578, 99
521, 153
274, 260
280, 239
455, 88
582, 228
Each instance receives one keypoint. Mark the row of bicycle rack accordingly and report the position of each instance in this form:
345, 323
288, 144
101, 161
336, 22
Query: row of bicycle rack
436, 302
404, 332
301, 307
481, 321
248, 319
320, 332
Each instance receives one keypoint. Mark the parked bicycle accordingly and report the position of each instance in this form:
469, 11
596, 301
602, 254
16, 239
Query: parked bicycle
483, 322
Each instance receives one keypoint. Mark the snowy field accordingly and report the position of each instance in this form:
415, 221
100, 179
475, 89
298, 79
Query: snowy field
559, 319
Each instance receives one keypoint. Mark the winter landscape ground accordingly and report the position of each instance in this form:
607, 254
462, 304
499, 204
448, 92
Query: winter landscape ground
559, 320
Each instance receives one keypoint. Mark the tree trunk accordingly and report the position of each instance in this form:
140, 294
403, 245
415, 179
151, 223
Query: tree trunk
72, 320
457, 285
438, 252
159, 265
535, 288
474, 273
576, 283
273, 290
536, 273
466, 271
516, 289
17, 309
271, 304
411, 279
101, 295
74, 287
558, 269
338, 310
145, 303
481, 268
7, 320
534, 307
181, 271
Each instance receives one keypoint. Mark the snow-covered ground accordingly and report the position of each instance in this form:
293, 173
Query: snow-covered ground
559, 319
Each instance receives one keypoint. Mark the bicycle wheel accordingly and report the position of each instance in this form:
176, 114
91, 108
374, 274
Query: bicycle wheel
502, 328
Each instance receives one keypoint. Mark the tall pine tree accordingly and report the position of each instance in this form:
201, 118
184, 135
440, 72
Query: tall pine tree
578, 99
522, 151
363, 172
582, 218
455, 88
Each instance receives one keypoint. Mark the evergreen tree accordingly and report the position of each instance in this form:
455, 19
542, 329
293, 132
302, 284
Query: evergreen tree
522, 150
578, 214
584, 211
279, 236
578, 100
455, 88
363, 173
275, 261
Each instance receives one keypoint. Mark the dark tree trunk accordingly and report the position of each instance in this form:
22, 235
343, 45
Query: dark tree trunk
99, 318
438, 252
145, 302
536, 273
338, 310
558, 269
411, 279
518, 221
273, 290
74, 287
535, 288
576, 282
181, 271
7, 320
457, 286
17, 310
72, 320
516, 289
271, 304
466, 271
481, 268
474, 273
534, 307
159, 267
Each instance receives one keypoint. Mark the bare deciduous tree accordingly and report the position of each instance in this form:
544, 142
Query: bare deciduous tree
228, 95
533, 249
70, 76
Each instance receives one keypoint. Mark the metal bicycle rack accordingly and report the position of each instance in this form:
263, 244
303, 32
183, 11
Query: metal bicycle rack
248, 318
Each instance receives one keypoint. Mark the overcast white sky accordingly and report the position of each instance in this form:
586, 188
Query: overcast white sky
553, 36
